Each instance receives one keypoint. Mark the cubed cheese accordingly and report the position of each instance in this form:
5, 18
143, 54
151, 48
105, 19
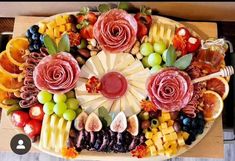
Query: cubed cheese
148, 135
57, 40
158, 144
168, 152
185, 135
51, 25
42, 27
50, 32
161, 153
166, 145
56, 32
60, 20
164, 125
168, 130
154, 130
153, 151
181, 141
62, 28
68, 26
149, 142
170, 123
166, 116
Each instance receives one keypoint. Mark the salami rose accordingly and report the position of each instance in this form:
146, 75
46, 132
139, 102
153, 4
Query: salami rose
56, 74
115, 31
170, 89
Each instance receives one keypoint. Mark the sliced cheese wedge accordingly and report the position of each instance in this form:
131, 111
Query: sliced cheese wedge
102, 56
44, 132
53, 130
81, 87
88, 97
107, 104
60, 133
124, 61
94, 64
134, 104
133, 68
111, 59
116, 106
91, 106
138, 93
145, 73
138, 84
86, 72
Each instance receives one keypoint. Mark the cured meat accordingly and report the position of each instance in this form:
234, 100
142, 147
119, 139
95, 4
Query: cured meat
170, 89
56, 74
115, 31
29, 91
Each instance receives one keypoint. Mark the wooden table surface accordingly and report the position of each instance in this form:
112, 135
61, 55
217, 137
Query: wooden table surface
211, 146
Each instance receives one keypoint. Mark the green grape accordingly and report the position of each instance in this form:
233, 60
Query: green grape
154, 59
78, 111
72, 103
155, 69
69, 115
82, 44
48, 108
44, 97
159, 47
70, 94
164, 56
60, 108
145, 62
146, 49
59, 98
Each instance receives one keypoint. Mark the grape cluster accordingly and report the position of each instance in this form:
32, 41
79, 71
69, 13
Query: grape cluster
63, 105
193, 126
35, 38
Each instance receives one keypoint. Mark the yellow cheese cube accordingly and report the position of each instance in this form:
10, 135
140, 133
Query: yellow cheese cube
170, 137
161, 119
149, 142
154, 130
173, 143
181, 141
148, 135
168, 152
158, 144
173, 146
166, 116
42, 27
166, 145
174, 151
170, 123
161, 153
164, 125
153, 150
68, 26
60, 20
56, 32
51, 25
62, 28
174, 136
168, 130
50, 33
185, 135
159, 135
66, 17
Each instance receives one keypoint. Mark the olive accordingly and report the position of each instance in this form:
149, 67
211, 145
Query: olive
154, 114
145, 124
154, 123
177, 126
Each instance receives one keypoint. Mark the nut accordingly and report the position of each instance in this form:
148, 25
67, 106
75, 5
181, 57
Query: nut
90, 47
17, 94
135, 48
139, 56
80, 60
93, 52
93, 42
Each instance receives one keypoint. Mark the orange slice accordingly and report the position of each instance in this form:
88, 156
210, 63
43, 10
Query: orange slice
219, 85
16, 50
213, 105
7, 67
9, 84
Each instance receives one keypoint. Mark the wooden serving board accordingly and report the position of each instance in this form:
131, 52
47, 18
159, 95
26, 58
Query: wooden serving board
211, 146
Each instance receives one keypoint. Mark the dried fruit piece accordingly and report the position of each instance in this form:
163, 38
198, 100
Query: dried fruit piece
140, 151
74, 38
148, 106
69, 153
80, 121
93, 123
119, 124
133, 125
93, 85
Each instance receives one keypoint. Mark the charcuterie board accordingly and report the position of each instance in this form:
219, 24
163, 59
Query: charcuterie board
87, 154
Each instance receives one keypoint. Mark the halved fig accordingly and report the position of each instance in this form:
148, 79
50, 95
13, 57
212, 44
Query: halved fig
119, 123
80, 121
133, 125
93, 123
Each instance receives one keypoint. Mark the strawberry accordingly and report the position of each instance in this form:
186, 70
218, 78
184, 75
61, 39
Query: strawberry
144, 19
90, 17
142, 30
87, 32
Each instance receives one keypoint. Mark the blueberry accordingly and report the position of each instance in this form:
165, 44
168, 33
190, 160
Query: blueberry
31, 48
187, 121
34, 29
192, 137
188, 142
185, 128
41, 38
36, 36
28, 34
200, 115
36, 46
200, 131
194, 123
30, 39
201, 122
182, 117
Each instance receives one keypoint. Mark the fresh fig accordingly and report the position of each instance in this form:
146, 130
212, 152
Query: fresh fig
93, 123
80, 121
119, 123
133, 125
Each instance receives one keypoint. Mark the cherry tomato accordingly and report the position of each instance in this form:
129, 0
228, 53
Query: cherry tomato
183, 32
36, 112
193, 44
33, 128
20, 118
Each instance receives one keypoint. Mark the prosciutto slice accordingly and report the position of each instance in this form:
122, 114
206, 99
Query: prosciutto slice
115, 31
170, 89
56, 74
